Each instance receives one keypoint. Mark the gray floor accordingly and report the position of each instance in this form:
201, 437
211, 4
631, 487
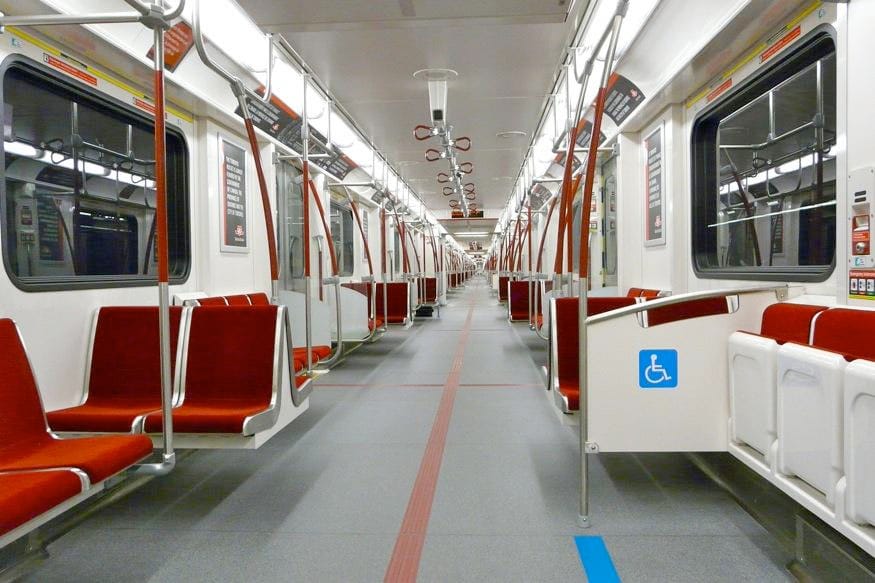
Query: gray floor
324, 500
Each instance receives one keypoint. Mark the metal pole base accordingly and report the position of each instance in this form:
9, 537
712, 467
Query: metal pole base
583, 521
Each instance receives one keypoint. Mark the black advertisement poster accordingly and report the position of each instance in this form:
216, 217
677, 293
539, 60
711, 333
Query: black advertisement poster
51, 242
654, 229
622, 99
278, 120
232, 193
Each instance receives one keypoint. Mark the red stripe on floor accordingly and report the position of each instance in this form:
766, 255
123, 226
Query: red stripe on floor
404, 564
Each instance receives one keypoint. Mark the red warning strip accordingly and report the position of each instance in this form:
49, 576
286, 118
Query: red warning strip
404, 564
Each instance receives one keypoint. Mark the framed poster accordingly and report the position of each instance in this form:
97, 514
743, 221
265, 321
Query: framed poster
232, 197
654, 189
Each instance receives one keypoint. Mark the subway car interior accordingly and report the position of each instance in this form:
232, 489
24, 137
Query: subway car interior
299, 290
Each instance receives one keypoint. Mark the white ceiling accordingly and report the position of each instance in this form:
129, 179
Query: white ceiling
505, 51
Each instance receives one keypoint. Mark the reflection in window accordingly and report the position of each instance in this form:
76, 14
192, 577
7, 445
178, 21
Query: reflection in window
79, 190
291, 226
769, 208
341, 233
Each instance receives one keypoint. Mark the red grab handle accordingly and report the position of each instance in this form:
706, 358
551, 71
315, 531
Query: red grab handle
443, 178
463, 144
433, 155
422, 132
466, 168
448, 190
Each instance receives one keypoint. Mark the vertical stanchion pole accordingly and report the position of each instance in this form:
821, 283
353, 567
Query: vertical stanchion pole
305, 165
583, 267
162, 247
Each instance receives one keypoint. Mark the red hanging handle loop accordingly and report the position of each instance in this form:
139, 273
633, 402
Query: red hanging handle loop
448, 190
462, 144
422, 132
433, 155
454, 203
469, 188
470, 195
466, 167
443, 178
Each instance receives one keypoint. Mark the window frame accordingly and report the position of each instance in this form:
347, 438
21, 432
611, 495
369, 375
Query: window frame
813, 47
344, 211
100, 101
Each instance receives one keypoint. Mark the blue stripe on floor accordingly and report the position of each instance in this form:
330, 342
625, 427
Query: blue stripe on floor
596, 560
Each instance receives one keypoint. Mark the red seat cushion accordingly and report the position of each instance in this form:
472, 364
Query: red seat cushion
230, 369
125, 376
319, 353
99, 457
785, 322
24, 496
847, 332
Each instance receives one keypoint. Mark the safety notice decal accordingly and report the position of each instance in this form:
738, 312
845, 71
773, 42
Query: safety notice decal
861, 284
60, 65
781, 44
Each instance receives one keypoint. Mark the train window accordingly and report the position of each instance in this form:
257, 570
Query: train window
764, 174
341, 233
78, 191
291, 226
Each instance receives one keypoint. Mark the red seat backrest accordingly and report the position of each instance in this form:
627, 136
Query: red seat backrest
259, 299
125, 354
361, 287
846, 331
21, 410
634, 292
214, 301
650, 293
502, 286
687, 310
785, 322
231, 354
566, 334
519, 299
238, 300
396, 299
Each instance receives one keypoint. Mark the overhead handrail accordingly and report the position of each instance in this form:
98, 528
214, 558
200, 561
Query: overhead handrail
158, 20
781, 293
241, 92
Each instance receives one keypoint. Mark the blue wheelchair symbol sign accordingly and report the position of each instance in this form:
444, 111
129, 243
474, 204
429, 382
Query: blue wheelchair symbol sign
658, 369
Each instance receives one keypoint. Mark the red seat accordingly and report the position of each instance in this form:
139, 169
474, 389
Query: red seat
428, 289
634, 292
215, 301
319, 353
397, 300
124, 380
566, 340
230, 369
25, 441
24, 496
519, 301
502, 287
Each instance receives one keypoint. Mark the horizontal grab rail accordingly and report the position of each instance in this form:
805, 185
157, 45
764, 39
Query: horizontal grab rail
781, 292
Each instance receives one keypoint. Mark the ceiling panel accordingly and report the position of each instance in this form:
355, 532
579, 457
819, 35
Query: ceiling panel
505, 52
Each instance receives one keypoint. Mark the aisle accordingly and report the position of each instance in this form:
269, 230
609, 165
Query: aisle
433, 454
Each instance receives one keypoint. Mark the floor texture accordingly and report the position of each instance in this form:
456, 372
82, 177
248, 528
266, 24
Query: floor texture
436, 455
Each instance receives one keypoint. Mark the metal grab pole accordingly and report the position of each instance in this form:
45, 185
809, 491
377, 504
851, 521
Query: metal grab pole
305, 168
583, 267
383, 251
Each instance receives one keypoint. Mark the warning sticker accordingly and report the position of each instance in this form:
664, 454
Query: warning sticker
781, 44
69, 69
